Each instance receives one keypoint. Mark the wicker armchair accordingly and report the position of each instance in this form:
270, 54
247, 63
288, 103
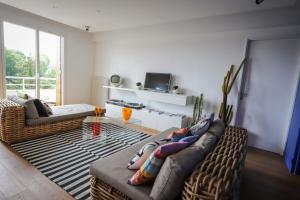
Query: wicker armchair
13, 128
216, 177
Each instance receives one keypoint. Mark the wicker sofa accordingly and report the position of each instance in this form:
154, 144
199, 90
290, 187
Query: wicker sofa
217, 176
14, 127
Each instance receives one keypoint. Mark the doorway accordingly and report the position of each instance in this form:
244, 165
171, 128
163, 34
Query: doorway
270, 84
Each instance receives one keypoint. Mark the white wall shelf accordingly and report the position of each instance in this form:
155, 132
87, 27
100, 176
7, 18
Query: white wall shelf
176, 99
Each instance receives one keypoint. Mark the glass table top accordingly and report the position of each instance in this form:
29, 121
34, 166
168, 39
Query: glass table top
119, 121
106, 126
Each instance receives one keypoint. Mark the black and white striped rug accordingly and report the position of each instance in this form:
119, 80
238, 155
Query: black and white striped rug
65, 158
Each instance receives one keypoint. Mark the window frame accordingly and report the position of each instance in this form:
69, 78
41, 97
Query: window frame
37, 59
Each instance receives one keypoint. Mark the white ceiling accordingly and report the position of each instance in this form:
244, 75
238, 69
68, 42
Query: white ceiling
103, 15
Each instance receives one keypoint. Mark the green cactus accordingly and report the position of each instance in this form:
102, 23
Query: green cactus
226, 111
198, 107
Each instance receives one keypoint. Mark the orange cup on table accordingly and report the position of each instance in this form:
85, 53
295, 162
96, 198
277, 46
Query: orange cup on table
126, 114
98, 111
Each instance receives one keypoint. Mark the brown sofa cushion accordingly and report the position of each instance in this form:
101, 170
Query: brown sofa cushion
177, 167
113, 171
40, 108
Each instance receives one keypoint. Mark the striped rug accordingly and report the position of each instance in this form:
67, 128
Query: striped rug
65, 158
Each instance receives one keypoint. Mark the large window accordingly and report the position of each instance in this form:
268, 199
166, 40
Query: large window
32, 63
49, 84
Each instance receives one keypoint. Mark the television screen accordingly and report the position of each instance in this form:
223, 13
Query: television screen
158, 82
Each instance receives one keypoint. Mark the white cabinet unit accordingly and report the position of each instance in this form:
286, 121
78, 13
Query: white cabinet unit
150, 119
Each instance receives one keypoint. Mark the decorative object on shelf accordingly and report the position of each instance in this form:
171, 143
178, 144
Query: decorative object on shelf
125, 104
226, 110
115, 80
198, 107
175, 89
126, 114
134, 105
258, 2
98, 111
138, 85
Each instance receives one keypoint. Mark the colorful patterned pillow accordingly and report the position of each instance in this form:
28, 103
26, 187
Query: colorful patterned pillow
144, 153
179, 134
152, 165
202, 126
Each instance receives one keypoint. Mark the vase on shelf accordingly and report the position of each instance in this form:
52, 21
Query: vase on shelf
176, 89
139, 85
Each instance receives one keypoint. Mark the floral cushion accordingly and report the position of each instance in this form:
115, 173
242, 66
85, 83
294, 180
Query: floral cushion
152, 165
144, 153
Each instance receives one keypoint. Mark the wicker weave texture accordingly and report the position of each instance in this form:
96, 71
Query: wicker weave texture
214, 178
13, 128
104, 191
218, 176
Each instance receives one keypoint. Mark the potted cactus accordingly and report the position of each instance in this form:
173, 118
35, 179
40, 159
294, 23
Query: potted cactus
226, 110
198, 107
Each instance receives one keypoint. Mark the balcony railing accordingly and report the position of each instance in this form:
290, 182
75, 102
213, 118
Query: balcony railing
20, 83
28, 84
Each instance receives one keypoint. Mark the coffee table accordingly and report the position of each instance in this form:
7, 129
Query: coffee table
104, 126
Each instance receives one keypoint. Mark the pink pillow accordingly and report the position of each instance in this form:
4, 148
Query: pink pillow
178, 134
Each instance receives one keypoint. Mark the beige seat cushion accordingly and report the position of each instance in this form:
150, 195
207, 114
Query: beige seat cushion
66, 112
113, 170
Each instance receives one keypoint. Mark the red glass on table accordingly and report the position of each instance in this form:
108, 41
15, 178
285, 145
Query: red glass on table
96, 128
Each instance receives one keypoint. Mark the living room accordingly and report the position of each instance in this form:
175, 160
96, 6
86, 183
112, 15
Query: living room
143, 68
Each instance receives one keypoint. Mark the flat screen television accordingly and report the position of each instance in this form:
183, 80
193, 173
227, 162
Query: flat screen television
159, 82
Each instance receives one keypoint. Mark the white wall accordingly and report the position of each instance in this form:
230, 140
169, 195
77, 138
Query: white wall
198, 52
78, 52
